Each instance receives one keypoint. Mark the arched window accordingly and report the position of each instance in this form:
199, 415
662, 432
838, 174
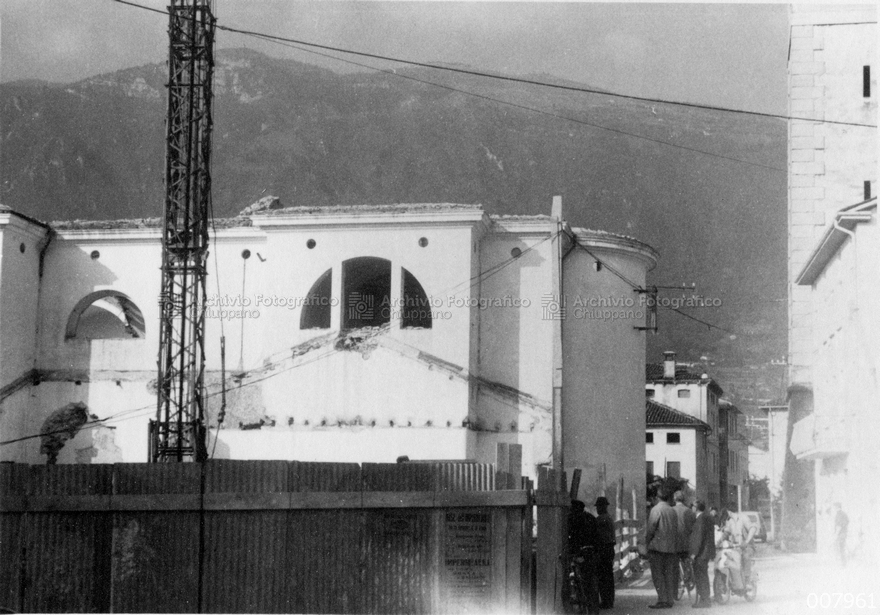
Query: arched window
366, 292
105, 314
316, 308
416, 312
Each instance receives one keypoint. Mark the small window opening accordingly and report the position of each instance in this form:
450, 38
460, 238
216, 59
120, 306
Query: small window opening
21, 248
105, 315
95, 255
311, 243
673, 469
245, 254
649, 437
516, 253
866, 81
649, 392
423, 242
598, 265
416, 312
649, 467
366, 283
684, 393
673, 437
867, 190
316, 307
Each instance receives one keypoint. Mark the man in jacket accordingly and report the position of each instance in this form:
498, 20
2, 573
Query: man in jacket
686, 519
702, 551
606, 539
661, 538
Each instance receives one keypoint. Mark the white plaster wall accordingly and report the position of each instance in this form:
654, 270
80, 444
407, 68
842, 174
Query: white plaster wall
443, 268
19, 273
348, 444
516, 340
603, 375
685, 453
828, 164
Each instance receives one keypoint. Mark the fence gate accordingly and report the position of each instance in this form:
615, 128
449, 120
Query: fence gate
276, 536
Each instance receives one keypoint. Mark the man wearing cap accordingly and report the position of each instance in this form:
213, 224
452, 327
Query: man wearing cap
606, 541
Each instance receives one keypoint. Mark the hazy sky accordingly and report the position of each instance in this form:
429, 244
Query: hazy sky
723, 54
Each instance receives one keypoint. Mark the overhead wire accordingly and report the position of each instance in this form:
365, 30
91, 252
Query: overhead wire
522, 80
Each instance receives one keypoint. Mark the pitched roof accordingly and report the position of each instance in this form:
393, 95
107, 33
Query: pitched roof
683, 375
660, 415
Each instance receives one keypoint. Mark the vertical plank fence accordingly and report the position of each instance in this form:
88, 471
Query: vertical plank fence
276, 536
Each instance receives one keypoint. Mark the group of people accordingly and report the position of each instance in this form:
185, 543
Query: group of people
679, 534
591, 543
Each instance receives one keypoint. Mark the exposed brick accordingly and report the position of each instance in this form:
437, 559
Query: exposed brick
802, 81
802, 55
802, 107
801, 230
801, 206
807, 168
801, 43
807, 68
800, 181
801, 218
803, 129
813, 193
802, 155
801, 243
807, 143
818, 154
819, 218
814, 92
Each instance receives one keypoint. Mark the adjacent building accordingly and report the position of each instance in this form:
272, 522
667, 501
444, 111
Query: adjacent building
677, 445
724, 463
833, 286
352, 333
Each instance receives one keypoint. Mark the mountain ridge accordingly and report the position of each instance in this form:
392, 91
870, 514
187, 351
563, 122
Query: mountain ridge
95, 149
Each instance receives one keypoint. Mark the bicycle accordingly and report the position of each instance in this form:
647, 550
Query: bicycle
686, 581
721, 584
581, 591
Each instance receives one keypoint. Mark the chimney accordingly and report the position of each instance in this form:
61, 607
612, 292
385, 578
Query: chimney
669, 365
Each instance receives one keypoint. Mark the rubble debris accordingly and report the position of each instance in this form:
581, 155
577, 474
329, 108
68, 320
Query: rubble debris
60, 426
267, 203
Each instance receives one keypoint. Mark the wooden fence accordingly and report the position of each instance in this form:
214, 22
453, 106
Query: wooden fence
265, 536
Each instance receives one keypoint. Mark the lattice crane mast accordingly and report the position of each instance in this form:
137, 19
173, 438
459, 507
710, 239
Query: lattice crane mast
178, 432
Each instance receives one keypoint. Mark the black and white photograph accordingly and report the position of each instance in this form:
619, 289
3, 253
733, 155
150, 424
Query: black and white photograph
439, 306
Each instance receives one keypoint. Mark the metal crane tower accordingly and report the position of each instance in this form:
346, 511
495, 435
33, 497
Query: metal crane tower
178, 433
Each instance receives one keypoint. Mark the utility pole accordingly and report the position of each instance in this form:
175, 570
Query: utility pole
178, 433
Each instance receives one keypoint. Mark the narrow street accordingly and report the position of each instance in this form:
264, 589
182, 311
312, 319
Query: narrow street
787, 584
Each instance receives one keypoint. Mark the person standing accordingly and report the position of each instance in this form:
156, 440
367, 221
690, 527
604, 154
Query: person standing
582, 548
686, 519
841, 525
702, 551
606, 539
661, 539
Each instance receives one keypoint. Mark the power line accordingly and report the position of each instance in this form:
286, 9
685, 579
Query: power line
545, 84
519, 106
522, 80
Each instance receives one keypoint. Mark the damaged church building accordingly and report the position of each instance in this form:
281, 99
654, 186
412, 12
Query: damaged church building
352, 334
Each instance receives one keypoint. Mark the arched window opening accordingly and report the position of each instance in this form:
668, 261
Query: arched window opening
416, 312
105, 315
316, 307
366, 292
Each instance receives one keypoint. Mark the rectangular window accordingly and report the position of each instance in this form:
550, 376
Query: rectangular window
866, 81
684, 393
673, 437
673, 469
649, 437
649, 467
649, 392
867, 190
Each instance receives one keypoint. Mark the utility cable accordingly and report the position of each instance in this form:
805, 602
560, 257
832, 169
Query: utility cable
523, 80
531, 109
